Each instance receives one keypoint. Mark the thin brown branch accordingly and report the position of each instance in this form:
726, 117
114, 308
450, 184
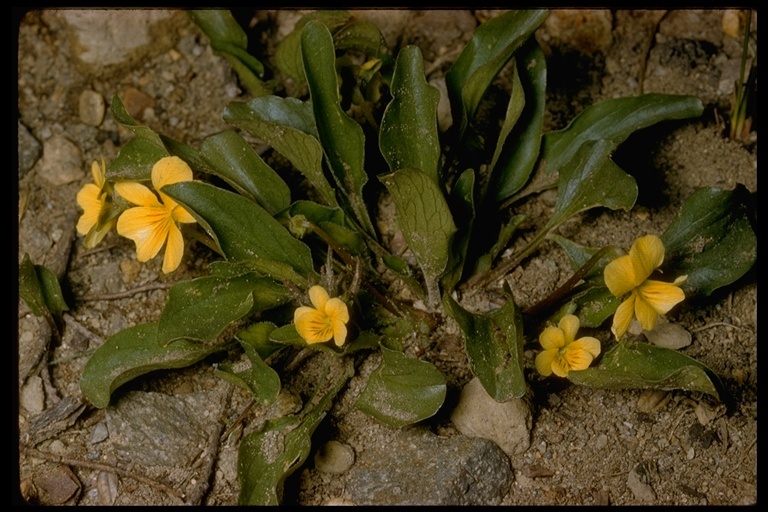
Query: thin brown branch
33, 452
128, 293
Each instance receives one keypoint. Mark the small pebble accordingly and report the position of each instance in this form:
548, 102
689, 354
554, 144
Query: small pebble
91, 107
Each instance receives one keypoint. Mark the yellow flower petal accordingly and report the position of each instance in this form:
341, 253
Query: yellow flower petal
337, 310
560, 366
301, 311
619, 276
339, 333
168, 170
569, 324
318, 296
182, 215
623, 317
99, 173
576, 357
544, 361
137, 194
661, 296
314, 326
645, 314
587, 344
147, 227
647, 254
552, 338
90, 200
174, 249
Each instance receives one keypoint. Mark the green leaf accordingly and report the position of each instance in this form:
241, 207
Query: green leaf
262, 381
711, 240
403, 390
492, 45
362, 36
234, 160
135, 160
242, 229
408, 134
258, 337
134, 352
615, 120
142, 132
425, 219
521, 146
463, 207
202, 308
334, 222
40, 289
288, 126
288, 52
591, 179
494, 346
270, 455
228, 39
644, 366
287, 335
342, 138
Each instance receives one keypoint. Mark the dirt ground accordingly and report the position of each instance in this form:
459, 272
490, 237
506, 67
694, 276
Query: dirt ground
588, 447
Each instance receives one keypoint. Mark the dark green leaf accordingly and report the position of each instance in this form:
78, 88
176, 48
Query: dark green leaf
342, 138
492, 45
234, 160
270, 455
243, 230
134, 352
262, 381
711, 240
644, 366
287, 335
615, 120
288, 126
494, 345
362, 36
425, 219
591, 179
202, 308
463, 208
333, 221
258, 336
408, 133
135, 160
521, 146
229, 39
403, 390
40, 289
288, 52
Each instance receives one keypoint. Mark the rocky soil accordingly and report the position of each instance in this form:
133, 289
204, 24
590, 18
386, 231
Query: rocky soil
172, 437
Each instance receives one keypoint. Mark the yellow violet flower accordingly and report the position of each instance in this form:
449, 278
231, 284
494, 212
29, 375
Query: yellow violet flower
95, 200
153, 222
326, 320
562, 351
648, 298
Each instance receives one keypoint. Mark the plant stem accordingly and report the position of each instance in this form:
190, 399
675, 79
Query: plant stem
566, 287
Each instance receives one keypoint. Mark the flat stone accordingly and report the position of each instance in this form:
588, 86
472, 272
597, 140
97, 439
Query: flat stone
30, 150
416, 467
156, 429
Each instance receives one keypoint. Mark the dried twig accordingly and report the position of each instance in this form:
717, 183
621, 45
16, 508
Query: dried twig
105, 467
127, 293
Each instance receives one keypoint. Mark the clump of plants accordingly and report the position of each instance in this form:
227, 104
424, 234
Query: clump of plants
306, 268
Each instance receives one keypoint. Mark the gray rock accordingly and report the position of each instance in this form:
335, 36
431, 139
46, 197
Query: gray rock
158, 429
669, 335
507, 424
62, 161
417, 467
32, 396
30, 150
639, 482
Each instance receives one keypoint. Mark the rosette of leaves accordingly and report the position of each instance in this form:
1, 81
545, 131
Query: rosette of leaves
275, 239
